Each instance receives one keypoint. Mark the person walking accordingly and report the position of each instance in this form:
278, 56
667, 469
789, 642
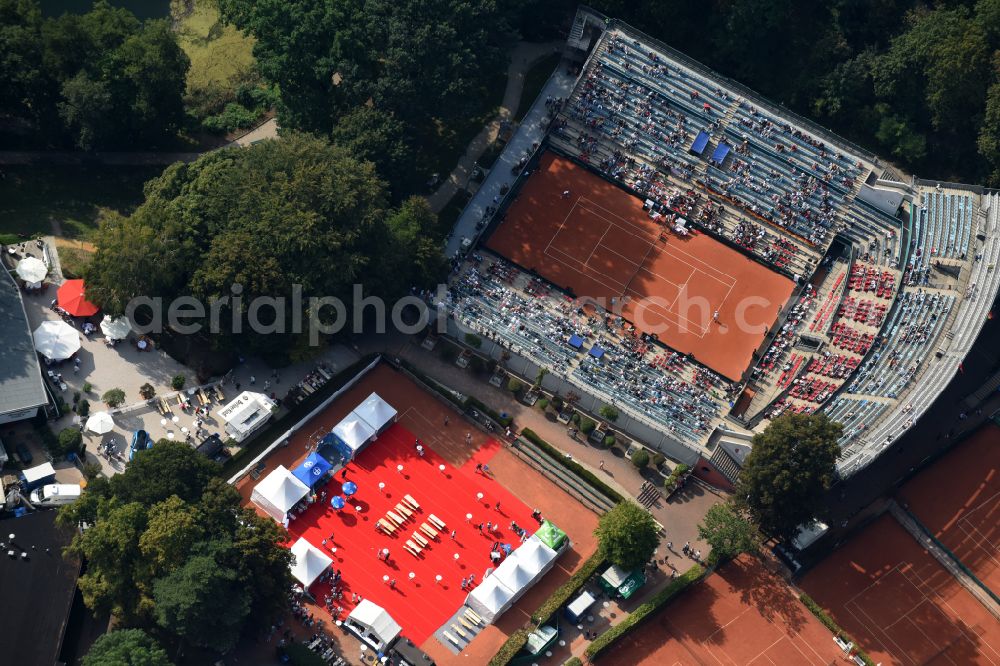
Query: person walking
253, 380
453, 535
601, 464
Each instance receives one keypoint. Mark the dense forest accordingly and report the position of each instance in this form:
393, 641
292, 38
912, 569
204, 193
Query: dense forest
916, 82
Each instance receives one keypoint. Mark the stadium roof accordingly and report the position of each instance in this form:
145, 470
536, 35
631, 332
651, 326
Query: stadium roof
37, 590
21, 385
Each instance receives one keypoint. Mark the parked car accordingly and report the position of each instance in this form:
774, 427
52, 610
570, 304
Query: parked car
23, 453
55, 494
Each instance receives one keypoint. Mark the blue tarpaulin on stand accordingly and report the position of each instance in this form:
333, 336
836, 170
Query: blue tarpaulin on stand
575, 341
596, 351
700, 141
312, 469
719, 155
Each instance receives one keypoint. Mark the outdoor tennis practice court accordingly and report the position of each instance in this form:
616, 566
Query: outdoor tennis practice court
739, 616
900, 604
598, 243
958, 500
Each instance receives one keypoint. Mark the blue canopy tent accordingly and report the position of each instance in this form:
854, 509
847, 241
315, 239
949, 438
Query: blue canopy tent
719, 155
331, 447
312, 469
698, 146
575, 341
596, 351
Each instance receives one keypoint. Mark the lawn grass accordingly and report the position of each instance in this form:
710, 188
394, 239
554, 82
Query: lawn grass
221, 56
74, 256
36, 199
534, 81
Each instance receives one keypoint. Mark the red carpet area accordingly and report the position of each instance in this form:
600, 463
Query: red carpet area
420, 606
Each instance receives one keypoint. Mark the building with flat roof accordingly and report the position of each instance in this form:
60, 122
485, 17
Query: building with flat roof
22, 390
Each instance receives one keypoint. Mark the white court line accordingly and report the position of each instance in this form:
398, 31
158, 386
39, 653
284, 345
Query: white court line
562, 224
644, 235
586, 264
618, 290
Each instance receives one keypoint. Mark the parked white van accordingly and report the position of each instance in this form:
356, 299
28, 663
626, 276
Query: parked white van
55, 494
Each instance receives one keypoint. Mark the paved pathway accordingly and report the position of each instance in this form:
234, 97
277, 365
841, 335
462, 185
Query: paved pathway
266, 130
523, 56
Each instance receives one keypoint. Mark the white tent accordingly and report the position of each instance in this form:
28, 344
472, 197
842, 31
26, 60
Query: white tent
490, 598
246, 413
278, 493
116, 329
354, 432
32, 270
535, 556
376, 412
373, 624
56, 340
308, 562
101, 423
513, 576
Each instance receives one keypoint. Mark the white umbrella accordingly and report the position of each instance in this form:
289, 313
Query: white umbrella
116, 329
101, 423
56, 340
31, 269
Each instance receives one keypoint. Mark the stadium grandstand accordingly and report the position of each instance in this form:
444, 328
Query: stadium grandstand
889, 279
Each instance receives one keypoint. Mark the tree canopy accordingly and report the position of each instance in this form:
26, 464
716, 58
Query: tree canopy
728, 531
627, 535
292, 211
790, 467
126, 647
98, 80
170, 546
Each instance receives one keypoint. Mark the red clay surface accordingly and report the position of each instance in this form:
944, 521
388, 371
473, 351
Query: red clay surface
422, 414
422, 605
891, 595
742, 614
599, 244
958, 500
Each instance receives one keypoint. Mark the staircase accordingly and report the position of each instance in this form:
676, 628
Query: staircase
562, 476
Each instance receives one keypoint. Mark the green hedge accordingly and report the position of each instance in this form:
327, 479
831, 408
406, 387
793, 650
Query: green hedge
567, 590
832, 625
573, 661
572, 465
510, 648
676, 586
670, 481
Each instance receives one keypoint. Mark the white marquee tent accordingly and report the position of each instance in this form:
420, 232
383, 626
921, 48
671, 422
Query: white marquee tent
513, 575
308, 562
535, 556
375, 626
376, 412
490, 598
278, 493
354, 432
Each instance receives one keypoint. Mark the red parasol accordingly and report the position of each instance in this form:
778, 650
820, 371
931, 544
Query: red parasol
71, 299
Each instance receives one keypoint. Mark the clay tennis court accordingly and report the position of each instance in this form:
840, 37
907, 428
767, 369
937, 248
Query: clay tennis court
599, 244
518, 486
741, 615
958, 501
902, 606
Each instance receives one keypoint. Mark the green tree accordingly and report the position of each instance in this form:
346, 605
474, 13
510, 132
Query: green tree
126, 647
989, 135
85, 109
69, 441
627, 535
22, 76
203, 602
113, 397
790, 467
728, 531
377, 136
609, 412
640, 458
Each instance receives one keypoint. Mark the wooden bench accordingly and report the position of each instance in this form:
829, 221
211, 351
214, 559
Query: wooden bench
403, 511
415, 553
472, 615
419, 539
409, 542
438, 523
428, 530
458, 630
219, 394
468, 625
386, 525
451, 638
412, 502
395, 518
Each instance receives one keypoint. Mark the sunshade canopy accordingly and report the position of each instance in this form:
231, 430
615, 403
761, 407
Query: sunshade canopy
56, 340
116, 329
101, 423
71, 298
31, 269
